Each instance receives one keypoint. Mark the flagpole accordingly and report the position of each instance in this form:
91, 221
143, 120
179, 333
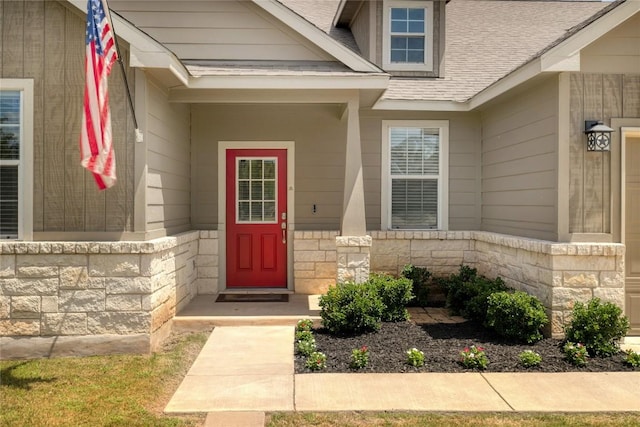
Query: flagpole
124, 73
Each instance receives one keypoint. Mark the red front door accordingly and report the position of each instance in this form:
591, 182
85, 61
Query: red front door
256, 218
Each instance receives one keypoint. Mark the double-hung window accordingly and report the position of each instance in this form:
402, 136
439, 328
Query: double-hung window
408, 35
415, 156
16, 135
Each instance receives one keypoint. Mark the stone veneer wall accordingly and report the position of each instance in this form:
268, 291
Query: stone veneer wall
559, 274
314, 261
81, 298
207, 262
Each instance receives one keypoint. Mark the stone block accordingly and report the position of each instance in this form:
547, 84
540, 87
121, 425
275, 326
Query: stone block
565, 298
162, 315
81, 301
49, 304
134, 285
306, 245
208, 272
19, 327
309, 256
583, 263
114, 265
123, 303
385, 263
614, 295
25, 307
5, 307
74, 277
7, 265
29, 286
64, 324
304, 274
207, 261
331, 256
325, 270
121, 323
447, 254
327, 244
37, 272
387, 247
580, 280
304, 266
49, 260
557, 322
611, 279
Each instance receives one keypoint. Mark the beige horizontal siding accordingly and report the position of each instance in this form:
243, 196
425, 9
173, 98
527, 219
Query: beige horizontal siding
616, 52
519, 163
169, 163
319, 137
224, 30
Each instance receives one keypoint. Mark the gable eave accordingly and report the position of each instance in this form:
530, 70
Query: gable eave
316, 36
563, 55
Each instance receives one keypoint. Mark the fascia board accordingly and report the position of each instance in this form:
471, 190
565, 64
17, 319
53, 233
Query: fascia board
289, 82
418, 105
317, 36
261, 96
573, 45
336, 17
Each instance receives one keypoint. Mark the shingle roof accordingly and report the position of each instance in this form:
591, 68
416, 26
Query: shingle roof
486, 40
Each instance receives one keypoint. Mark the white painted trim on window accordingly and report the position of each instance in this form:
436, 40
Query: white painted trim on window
223, 146
25, 164
387, 65
443, 181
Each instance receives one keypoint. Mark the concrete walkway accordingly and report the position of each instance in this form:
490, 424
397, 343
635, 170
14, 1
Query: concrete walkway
244, 371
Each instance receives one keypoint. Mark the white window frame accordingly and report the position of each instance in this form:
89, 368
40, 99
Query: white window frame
428, 35
25, 163
443, 169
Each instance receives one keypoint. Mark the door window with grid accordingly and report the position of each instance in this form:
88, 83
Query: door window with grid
256, 194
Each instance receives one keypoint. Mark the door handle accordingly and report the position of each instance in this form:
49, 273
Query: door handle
284, 232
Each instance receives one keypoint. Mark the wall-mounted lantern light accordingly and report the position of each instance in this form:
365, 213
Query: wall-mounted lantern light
598, 136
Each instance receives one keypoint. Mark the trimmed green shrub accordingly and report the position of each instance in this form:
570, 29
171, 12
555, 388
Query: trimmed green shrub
516, 316
351, 309
457, 293
420, 278
467, 293
395, 294
598, 325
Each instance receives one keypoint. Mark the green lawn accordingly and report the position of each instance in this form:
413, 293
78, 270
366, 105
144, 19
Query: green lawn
129, 390
388, 419
133, 390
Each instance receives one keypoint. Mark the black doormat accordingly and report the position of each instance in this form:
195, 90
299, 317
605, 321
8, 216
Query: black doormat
253, 298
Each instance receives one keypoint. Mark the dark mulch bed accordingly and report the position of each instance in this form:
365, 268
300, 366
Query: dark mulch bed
441, 344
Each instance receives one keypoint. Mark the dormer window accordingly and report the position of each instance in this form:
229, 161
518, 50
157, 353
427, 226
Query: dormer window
408, 35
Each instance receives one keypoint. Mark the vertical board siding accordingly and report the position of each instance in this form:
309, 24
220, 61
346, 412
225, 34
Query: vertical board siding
519, 165
225, 30
169, 162
596, 96
44, 40
616, 52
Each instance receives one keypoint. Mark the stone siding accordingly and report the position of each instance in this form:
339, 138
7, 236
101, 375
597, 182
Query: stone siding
79, 290
559, 274
314, 261
207, 262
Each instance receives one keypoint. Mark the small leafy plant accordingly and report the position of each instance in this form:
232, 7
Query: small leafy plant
599, 326
632, 358
415, 357
474, 358
304, 325
530, 358
304, 336
359, 357
306, 347
316, 361
395, 294
575, 353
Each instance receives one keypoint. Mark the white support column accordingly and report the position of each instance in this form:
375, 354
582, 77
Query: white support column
353, 214
353, 246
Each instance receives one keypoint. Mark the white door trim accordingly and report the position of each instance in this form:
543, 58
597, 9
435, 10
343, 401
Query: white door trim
223, 146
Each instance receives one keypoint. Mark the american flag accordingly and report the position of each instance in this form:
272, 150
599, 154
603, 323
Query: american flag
96, 148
